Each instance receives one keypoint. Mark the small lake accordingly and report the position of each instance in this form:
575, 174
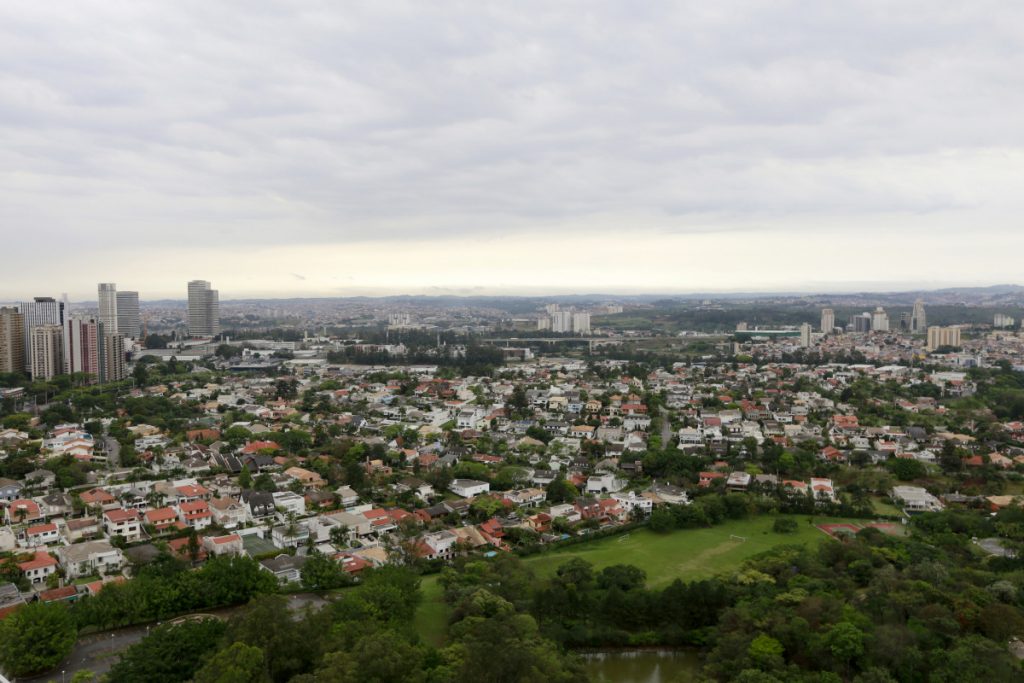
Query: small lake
641, 666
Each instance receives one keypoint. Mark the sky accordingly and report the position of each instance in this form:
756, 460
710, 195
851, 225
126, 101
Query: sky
334, 149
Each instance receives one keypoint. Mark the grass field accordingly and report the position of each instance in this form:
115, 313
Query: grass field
686, 554
432, 615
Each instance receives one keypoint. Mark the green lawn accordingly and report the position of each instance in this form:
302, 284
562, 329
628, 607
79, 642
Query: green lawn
432, 615
883, 507
686, 554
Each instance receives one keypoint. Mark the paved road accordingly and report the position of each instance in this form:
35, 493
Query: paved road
666, 428
99, 651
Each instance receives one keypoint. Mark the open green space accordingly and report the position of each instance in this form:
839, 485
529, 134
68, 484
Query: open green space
431, 620
687, 554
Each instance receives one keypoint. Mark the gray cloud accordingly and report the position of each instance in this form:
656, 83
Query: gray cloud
195, 123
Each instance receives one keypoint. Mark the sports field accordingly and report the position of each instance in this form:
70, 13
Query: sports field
687, 554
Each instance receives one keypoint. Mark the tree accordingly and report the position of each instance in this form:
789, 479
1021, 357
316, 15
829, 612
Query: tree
766, 652
561, 491
37, 637
322, 573
239, 663
662, 520
171, 653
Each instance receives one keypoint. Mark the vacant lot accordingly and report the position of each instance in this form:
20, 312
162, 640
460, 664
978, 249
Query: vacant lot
686, 554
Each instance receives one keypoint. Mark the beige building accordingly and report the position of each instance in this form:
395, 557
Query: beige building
12, 340
47, 352
943, 336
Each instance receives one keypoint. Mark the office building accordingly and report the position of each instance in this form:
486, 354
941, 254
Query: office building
918, 320
47, 352
12, 340
129, 323
107, 297
943, 336
828, 320
42, 310
880, 320
203, 309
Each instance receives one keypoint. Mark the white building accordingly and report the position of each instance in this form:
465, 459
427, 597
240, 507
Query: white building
91, 557
915, 499
467, 488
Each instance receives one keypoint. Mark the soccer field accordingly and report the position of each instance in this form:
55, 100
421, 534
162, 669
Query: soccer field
686, 554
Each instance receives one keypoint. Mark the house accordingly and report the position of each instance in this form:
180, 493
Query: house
439, 545
286, 568
39, 567
704, 479
822, 489
347, 497
78, 529
467, 488
97, 498
124, 523
230, 544
422, 489
228, 512
259, 504
91, 557
738, 481
308, 479
567, 511
42, 534
289, 535
23, 511
915, 499
290, 502
604, 482
161, 519
9, 489
630, 502
667, 493
195, 515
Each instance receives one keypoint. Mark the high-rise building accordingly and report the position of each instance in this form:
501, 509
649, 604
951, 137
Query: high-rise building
47, 352
581, 323
918, 320
942, 336
561, 321
203, 309
1002, 320
112, 365
107, 292
12, 340
880, 320
82, 346
129, 323
42, 310
828, 320
805, 335
861, 323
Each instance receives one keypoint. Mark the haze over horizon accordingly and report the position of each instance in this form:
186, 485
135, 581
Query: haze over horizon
397, 148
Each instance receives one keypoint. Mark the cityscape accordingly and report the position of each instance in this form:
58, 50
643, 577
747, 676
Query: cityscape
572, 342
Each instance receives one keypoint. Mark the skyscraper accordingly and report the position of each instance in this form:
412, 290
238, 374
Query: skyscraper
47, 352
107, 292
918, 321
880, 320
112, 365
42, 310
12, 340
128, 321
203, 309
805, 334
828, 320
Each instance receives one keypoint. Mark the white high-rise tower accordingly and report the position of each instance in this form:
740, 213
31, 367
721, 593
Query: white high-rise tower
107, 292
203, 309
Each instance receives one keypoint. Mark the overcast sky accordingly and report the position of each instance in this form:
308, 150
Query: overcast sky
328, 148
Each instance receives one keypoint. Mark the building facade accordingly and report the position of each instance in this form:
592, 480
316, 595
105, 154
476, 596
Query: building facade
107, 297
42, 310
47, 352
129, 322
203, 309
12, 340
828, 320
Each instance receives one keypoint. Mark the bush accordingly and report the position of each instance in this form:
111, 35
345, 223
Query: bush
783, 525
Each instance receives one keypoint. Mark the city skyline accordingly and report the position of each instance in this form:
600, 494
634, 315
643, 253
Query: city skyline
577, 148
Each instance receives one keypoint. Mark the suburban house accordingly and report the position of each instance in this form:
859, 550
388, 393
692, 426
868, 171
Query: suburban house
286, 568
467, 488
195, 515
124, 523
231, 544
91, 557
39, 567
227, 512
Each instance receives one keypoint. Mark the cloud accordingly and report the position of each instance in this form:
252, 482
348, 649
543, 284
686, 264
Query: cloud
157, 126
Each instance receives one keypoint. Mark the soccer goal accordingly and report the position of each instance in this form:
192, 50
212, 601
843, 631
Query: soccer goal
623, 537
734, 537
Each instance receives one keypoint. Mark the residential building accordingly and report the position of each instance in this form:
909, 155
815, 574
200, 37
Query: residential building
915, 499
12, 340
82, 346
39, 567
203, 309
467, 488
918, 320
828, 320
47, 352
880, 320
90, 557
129, 322
124, 523
107, 297
805, 335
942, 336
42, 310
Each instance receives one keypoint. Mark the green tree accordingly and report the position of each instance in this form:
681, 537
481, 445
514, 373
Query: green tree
37, 637
171, 653
322, 573
238, 663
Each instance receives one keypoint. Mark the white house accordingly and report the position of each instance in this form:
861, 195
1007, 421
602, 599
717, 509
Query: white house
91, 557
604, 482
467, 488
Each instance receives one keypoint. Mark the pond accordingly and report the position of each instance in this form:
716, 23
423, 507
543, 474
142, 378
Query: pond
641, 666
